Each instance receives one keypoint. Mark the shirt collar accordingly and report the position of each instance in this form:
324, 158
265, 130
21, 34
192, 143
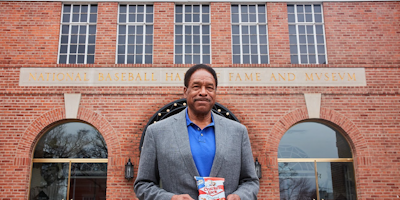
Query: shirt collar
188, 121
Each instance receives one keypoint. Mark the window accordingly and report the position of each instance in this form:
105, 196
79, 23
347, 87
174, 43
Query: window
192, 34
70, 162
249, 34
135, 34
315, 162
306, 34
78, 34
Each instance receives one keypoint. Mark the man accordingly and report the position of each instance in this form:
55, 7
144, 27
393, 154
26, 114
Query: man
196, 142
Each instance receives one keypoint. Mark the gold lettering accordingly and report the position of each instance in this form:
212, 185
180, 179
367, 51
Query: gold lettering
319, 77
230, 76
177, 76
166, 76
33, 77
54, 74
108, 77
294, 77
41, 76
238, 76
62, 76
272, 76
116, 77
152, 77
247, 78
145, 79
70, 77
84, 77
138, 76
344, 74
283, 77
350, 78
78, 76
101, 77
333, 77
47, 76
258, 77
123, 76
131, 78
309, 77
326, 77
218, 75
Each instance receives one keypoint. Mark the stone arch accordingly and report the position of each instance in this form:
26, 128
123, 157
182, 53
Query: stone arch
29, 139
357, 142
36, 129
351, 132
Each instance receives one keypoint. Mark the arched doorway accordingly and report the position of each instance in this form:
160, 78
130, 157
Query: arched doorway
315, 163
176, 107
69, 162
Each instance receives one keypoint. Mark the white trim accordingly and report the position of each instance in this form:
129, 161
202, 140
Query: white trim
305, 24
192, 24
257, 24
70, 24
135, 24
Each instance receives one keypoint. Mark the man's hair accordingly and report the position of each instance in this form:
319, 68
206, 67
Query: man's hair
193, 69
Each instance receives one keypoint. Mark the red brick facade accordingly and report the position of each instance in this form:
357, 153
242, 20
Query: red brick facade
358, 34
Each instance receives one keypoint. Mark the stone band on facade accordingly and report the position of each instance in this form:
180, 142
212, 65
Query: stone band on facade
175, 76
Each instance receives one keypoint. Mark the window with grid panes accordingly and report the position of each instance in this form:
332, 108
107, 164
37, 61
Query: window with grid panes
78, 34
135, 34
249, 34
306, 34
192, 34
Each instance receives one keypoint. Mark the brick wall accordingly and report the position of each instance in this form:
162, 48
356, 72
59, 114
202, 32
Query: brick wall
361, 34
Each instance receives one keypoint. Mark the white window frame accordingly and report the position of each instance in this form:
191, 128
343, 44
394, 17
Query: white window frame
257, 24
79, 24
313, 23
191, 24
144, 24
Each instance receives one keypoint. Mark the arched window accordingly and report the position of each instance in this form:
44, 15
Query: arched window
69, 162
315, 163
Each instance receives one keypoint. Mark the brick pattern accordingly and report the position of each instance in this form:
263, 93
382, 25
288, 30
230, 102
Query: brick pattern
358, 34
362, 32
164, 26
278, 33
221, 49
106, 33
29, 32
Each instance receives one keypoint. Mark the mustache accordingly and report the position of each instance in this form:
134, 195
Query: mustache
202, 99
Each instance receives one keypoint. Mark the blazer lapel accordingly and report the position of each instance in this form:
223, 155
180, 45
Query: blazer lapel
182, 140
220, 142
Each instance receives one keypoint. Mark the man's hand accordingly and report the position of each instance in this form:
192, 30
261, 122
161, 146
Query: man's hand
182, 197
233, 197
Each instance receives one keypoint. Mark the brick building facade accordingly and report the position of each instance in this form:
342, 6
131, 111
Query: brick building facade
358, 34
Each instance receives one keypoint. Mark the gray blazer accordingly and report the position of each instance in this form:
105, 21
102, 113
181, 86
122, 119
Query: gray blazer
166, 157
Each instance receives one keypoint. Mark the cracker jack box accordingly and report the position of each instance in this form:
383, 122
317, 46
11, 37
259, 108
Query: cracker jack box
210, 188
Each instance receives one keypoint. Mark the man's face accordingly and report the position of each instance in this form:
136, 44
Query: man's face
201, 92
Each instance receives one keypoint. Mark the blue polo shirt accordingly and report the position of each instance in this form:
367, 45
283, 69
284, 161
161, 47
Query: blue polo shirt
202, 145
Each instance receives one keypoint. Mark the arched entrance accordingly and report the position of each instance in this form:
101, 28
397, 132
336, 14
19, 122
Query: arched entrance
69, 162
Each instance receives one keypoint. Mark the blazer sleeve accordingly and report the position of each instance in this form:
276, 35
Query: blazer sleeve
147, 181
248, 183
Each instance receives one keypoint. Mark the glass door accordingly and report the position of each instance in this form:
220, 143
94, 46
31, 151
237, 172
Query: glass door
88, 181
297, 181
336, 181
49, 181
